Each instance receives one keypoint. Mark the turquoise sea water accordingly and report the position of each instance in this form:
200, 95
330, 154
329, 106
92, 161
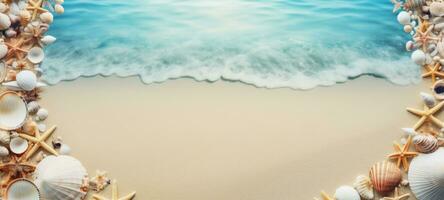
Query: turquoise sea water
268, 43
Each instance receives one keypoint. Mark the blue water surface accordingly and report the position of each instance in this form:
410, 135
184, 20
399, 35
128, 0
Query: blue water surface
269, 43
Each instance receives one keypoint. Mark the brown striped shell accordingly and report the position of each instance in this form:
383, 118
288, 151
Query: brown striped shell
414, 4
426, 143
385, 177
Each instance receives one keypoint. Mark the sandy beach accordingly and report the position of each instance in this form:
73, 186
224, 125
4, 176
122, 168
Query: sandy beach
187, 140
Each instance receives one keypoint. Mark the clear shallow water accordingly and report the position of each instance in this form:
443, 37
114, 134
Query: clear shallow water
268, 43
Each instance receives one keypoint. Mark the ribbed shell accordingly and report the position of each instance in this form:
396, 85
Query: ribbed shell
364, 187
426, 176
414, 4
426, 143
385, 176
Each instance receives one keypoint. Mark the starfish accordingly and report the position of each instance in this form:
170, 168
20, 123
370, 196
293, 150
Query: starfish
34, 34
15, 48
15, 168
35, 6
433, 72
427, 115
402, 154
100, 181
115, 194
423, 37
397, 197
39, 141
325, 196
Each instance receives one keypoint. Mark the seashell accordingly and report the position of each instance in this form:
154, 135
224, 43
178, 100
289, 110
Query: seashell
404, 18
41, 127
36, 55
385, 177
59, 9
364, 187
409, 131
60, 177
414, 4
25, 16
437, 9
346, 193
3, 7
429, 100
5, 137
5, 22
13, 111
3, 151
33, 107
409, 45
48, 39
438, 90
408, 28
405, 182
22, 189
26, 80
3, 50
65, 149
46, 17
440, 47
426, 143
10, 33
18, 145
426, 176
419, 57
29, 127
57, 143
42, 114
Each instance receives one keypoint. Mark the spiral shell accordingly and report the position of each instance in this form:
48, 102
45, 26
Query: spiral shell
426, 143
364, 187
385, 177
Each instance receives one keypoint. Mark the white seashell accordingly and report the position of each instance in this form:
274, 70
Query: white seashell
42, 114
48, 39
33, 107
18, 145
22, 189
409, 131
3, 151
418, 57
3, 50
426, 143
41, 127
36, 55
408, 28
426, 176
65, 149
3, 7
346, 193
409, 45
5, 22
5, 137
437, 9
60, 177
26, 80
404, 18
13, 111
10, 33
46, 17
59, 9
429, 100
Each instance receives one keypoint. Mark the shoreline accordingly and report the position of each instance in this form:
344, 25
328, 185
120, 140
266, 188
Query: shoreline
194, 140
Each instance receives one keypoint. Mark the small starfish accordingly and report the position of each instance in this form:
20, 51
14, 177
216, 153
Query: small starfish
427, 115
15, 168
115, 194
15, 48
402, 154
423, 37
34, 34
39, 141
35, 6
100, 181
397, 197
324, 196
433, 72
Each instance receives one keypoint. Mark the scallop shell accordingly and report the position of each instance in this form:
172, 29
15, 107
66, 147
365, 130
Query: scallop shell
18, 145
385, 177
4, 151
364, 187
42, 114
48, 39
60, 178
26, 80
36, 55
5, 137
426, 176
13, 111
426, 143
346, 193
22, 189
429, 100
33, 107
437, 9
46, 17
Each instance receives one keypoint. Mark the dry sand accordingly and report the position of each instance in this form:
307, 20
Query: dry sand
183, 140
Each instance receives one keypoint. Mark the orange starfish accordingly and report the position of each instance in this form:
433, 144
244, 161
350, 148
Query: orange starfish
15, 168
427, 115
397, 197
15, 48
36, 8
423, 37
39, 141
402, 154
433, 72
